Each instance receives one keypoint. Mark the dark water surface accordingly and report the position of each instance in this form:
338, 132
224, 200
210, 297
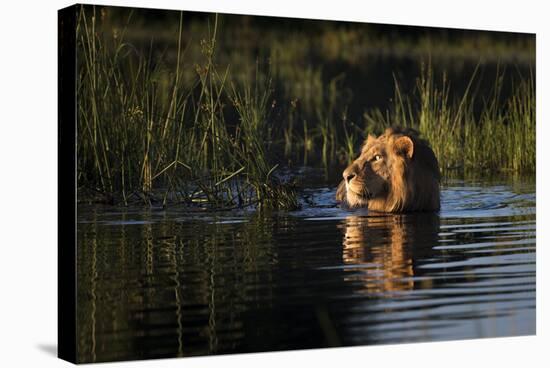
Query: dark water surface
166, 283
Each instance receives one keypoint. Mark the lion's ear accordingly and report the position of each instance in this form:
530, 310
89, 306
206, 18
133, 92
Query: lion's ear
370, 140
404, 146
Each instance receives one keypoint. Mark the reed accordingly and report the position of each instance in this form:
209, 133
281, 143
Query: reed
200, 125
501, 138
145, 135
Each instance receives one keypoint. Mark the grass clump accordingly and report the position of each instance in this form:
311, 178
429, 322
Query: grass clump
204, 120
145, 134
499, 137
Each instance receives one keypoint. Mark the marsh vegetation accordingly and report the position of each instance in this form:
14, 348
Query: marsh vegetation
213, 110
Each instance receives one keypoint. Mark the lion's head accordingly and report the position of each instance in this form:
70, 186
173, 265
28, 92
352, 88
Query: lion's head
396, 172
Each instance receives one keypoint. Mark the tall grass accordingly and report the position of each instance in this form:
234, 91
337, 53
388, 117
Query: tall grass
197, 131
145, 135
499, 138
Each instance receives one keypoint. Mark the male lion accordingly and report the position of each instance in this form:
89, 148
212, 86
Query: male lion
396, 172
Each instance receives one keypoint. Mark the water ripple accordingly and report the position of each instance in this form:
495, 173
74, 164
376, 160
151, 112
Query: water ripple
168, 282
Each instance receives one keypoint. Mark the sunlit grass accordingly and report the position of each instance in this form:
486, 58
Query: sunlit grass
145, 135
216, 135
500, 138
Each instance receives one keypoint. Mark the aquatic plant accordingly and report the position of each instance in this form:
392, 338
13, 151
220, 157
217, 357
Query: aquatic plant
203, 121
501, 137
144, 134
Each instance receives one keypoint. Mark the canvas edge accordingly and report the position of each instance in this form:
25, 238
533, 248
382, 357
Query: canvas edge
66, 187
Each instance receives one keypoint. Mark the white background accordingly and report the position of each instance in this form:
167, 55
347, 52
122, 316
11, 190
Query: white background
28, 181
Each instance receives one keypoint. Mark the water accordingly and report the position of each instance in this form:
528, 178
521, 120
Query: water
166, 283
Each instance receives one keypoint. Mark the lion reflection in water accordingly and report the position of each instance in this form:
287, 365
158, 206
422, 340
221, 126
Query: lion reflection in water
389, 247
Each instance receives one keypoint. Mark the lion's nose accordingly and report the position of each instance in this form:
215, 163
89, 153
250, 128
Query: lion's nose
348, 176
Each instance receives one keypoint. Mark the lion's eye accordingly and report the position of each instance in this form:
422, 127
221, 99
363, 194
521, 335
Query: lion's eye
377, 158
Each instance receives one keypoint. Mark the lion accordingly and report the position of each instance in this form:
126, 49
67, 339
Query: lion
396, 172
